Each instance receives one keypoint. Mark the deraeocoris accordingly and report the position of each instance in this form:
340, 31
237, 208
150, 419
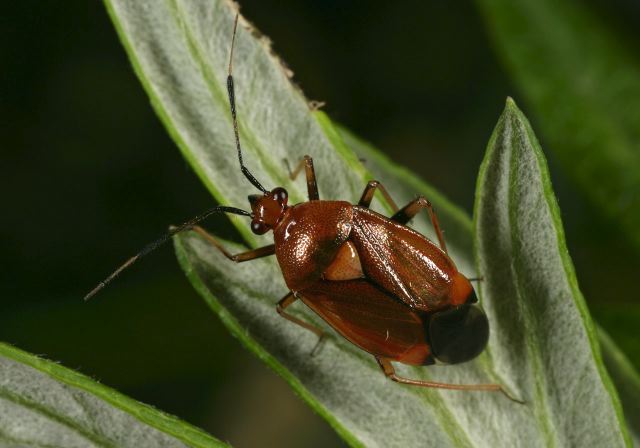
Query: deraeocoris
381, 285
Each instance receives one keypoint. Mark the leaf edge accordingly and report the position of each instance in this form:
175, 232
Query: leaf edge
511, 111
144, 413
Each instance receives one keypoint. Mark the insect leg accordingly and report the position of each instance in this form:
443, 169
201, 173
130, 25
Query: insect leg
370, 189
390, 372
307, 164
252, 254
412, 208
284, 303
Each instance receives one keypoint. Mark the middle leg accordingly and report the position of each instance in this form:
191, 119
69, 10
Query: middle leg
280, 308
310, 172
284, 303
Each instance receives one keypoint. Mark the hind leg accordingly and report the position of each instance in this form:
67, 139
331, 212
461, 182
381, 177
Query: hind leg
390, 372
410, 210
369, 191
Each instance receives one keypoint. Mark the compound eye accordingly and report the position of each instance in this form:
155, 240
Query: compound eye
280, 194
458, 334
259, 227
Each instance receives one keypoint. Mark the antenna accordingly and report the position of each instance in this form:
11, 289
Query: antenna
232, 104
163, 239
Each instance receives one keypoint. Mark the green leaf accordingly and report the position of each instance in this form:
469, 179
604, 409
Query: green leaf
583, 85
543, 338
459, 226
43, 404
179, 50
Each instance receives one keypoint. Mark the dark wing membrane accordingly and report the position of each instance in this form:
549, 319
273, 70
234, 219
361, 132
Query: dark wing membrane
402, 261
370, 318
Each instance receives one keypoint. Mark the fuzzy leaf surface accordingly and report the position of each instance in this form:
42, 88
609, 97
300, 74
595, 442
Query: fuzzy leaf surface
179, 50
43, 404
543, 337
583, 84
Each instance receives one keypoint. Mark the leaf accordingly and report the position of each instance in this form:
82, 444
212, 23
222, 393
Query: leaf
243, 295
342, 383
583, 85
459, 228
43, 404
179, 51
543, 336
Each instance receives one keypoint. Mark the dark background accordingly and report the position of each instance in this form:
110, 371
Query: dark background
88, 176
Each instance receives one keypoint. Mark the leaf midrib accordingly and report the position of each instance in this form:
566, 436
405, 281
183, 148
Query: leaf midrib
542, 407
52, 415
10, 441
576, 294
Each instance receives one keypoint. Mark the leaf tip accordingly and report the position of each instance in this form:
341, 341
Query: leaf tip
510, 104
513, 112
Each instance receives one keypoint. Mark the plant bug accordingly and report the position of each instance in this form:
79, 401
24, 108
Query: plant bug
381, 285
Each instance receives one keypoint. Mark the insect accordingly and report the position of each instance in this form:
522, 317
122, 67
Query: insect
383, 286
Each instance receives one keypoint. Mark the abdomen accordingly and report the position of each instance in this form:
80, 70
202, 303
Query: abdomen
371, 318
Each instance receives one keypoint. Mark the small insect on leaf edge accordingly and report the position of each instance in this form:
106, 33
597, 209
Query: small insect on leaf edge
398, 295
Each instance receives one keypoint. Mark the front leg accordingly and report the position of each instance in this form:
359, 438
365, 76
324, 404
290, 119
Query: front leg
252, 254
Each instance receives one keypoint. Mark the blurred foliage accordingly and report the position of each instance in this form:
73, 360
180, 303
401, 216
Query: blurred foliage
583, 82
89, 175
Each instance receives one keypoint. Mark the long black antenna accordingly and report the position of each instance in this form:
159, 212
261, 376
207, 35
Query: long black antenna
232, 104
163, 239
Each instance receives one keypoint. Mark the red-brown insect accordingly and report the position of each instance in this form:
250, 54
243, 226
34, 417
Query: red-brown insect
383, 286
